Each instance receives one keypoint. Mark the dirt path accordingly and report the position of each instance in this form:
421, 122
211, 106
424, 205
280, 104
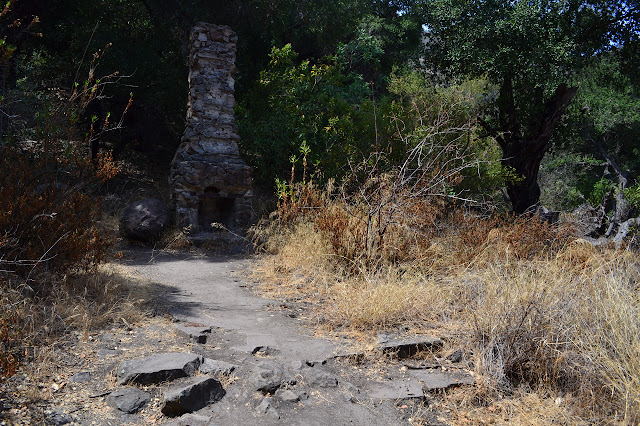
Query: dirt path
255, 333
211, 291
271, 370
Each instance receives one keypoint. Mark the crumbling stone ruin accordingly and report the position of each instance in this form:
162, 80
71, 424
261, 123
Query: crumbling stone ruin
210, 183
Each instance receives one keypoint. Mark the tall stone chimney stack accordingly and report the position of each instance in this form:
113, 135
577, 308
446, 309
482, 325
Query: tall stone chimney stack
209, 181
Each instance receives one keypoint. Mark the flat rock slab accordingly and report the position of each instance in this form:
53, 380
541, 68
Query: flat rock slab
193, 420
316, 377
191, 396
266, 407
81, 377
158, 368
129, 400
405, 347
214, 367
397, 389
287, 396
437, 379
268, 377
197, 332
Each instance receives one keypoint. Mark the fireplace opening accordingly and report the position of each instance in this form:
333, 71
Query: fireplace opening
215, 209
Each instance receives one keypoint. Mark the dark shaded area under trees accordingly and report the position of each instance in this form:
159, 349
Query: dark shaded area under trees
331, 90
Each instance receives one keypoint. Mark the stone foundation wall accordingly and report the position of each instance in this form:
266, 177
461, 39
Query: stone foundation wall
208, 177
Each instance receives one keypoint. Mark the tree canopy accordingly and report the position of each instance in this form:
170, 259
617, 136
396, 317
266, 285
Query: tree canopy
543, 61
531, 51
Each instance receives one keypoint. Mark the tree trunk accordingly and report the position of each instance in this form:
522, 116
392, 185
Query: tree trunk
524, 153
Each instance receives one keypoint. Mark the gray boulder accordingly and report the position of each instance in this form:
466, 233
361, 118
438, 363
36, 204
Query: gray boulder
128, 400
268, 377
215, 367
188, 397
436, 379
158, 368
193, 420
144, 220
408, 346
316, 377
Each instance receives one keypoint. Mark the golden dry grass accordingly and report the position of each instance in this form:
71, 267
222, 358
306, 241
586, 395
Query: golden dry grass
74, 304
555, 338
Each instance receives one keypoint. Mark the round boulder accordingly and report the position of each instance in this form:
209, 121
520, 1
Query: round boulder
144, 220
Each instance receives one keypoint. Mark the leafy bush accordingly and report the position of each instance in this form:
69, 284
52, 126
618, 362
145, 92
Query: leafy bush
294, 102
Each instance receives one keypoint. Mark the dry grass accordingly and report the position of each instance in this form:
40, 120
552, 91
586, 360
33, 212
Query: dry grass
74, 304
553, 323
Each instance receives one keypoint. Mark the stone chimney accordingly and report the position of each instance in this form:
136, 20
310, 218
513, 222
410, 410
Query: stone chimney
209, 181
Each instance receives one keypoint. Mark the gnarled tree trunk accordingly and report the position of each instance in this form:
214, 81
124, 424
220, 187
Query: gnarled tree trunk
524, 152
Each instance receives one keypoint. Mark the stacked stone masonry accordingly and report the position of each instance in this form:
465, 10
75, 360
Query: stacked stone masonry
210, 182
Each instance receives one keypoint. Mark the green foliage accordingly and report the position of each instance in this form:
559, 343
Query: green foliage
531, 51
600, 190
605, 111
379, 44
297, 102
632, 194
459, 103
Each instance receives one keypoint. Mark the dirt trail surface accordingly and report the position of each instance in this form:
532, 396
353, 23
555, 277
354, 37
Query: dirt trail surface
225, 356
259, 337
211, 291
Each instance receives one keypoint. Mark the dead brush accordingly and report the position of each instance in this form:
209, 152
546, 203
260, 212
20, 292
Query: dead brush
80, 302
556, 316
481, 239
569, 329
47, 222
11, 332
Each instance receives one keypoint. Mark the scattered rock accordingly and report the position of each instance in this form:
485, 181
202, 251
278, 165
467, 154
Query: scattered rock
81, 377
343, 355
103, 353
264, 351
351, 392
193, 395
456, 356
299, 365
158, 368
266, 407
144, 220
437, 379
57, 418
287, 396
303, 396
405, 347
268, 377
193, 420
397, 389
320, 378
197, 333
215, 367
130, 400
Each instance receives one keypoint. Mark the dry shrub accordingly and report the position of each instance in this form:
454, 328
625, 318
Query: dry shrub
389, 300
49, 243
539, 309
570, 328
300, 201
11, 334
81, 302
47, 220
486, 239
